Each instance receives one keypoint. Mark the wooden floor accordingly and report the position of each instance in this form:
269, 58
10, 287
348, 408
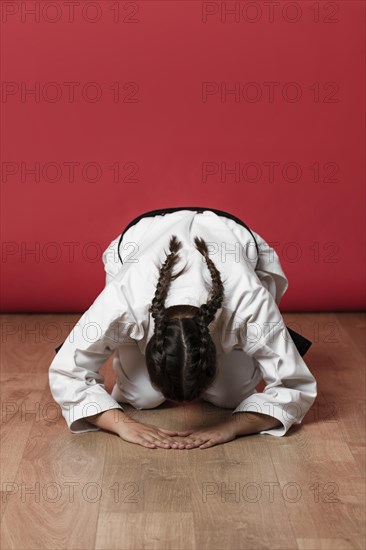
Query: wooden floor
83, 491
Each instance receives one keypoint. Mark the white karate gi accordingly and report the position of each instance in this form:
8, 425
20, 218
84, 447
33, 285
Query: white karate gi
250, 335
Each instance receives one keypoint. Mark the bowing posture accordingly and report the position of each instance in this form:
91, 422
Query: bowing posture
197, 321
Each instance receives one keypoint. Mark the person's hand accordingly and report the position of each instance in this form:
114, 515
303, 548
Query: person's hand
150, 436
213, 435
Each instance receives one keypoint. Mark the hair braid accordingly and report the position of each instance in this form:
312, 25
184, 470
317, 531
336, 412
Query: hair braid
157, 307
206, 312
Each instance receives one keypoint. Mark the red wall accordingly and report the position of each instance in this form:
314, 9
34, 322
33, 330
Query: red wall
174, 134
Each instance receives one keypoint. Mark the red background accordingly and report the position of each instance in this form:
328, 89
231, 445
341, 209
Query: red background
161, 124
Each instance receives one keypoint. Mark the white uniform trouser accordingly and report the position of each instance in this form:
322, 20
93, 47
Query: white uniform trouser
237, 378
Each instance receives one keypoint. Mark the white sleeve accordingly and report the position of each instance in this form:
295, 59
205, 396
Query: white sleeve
111, 261
269, 269
290, 388
74, 378
127, 250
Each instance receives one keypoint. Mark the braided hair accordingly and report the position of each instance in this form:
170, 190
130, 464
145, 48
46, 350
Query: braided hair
181, 355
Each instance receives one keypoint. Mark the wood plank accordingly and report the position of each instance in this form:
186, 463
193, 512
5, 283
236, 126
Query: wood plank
153, 530
59, 483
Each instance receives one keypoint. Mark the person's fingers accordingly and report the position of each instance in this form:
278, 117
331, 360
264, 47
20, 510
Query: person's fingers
216, 440
174, 432
146, 443
159, 443
188, 440
174, 443
165, 439
197, 442
208, 444
180, 445
165, 435
155, 431
162, 440
156, 441
162, 437
170, 442
195, 436
153, 434
181, 433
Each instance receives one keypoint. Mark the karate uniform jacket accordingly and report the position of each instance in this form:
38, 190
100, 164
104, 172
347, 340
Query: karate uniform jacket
249, 318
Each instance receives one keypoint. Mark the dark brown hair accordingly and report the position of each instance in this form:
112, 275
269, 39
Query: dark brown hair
181, 356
